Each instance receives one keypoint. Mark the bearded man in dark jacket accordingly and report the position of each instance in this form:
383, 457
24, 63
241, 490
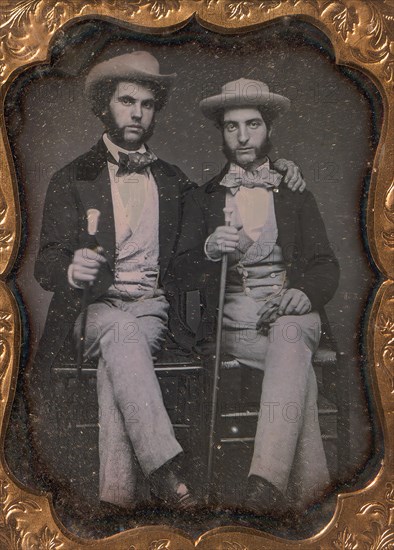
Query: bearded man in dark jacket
281, 273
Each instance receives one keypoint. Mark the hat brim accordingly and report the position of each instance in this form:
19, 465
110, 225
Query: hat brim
273, 104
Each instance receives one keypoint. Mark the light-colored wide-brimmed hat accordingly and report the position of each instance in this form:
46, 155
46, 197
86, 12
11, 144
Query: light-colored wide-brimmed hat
245, 93
139, 66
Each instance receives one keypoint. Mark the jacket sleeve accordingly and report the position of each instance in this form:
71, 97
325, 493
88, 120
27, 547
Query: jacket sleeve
318, 273
59, 235
192, 269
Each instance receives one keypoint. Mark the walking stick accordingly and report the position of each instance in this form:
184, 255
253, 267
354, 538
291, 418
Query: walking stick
216, 374
93, 216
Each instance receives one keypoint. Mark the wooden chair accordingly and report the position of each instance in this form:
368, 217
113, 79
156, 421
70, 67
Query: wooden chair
238, 410
239, 403
185, 383
182, 380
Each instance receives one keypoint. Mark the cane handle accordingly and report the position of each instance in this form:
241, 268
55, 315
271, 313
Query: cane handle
227, 215
93, 216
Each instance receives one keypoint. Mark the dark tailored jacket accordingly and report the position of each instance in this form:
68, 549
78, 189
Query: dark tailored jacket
310, 262
84, 184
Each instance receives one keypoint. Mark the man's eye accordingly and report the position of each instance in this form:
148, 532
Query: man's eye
149, 105
230, 127
254, 124
125, 100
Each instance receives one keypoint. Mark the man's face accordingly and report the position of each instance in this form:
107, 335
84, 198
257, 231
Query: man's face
132, 107
245, 136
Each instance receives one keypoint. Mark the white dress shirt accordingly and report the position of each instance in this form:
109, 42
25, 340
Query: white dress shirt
129, 195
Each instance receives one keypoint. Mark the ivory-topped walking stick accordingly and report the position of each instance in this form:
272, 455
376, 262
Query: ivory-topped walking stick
218, 349
93, 216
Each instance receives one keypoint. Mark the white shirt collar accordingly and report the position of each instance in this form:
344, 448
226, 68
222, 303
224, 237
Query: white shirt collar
115, 149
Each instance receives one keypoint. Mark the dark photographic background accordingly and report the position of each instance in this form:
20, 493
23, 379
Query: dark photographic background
331, 132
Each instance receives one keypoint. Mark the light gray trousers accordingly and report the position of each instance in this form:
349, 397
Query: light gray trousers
288, 449
135, 430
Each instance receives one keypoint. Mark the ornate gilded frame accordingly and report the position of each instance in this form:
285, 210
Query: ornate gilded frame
362, 35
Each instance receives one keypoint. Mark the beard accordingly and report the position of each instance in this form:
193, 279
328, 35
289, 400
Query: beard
260, 152
117, 135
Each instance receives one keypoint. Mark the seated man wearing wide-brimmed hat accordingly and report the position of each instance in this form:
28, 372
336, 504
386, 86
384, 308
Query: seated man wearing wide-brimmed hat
281, 273
133, 191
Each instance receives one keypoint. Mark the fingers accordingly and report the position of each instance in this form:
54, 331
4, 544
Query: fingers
294, 302
292, 175
267, 318
85, 257
288, 303
281, 165
225, 239
304, 306
86, 264
268, 305
81, 277
284, 303
294, 179
302, 187
297, 184
268, 314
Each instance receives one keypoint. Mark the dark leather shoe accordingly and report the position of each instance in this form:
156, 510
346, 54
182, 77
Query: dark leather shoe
264, 499
169, 487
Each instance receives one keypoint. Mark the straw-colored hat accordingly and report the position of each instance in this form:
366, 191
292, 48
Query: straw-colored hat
245, 93
139, 65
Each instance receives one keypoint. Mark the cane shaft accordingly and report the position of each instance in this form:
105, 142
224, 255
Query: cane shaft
93, 217
216, 373
82, 334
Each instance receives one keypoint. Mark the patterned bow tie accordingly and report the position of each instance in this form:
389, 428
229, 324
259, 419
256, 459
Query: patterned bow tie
134, 162
264, 177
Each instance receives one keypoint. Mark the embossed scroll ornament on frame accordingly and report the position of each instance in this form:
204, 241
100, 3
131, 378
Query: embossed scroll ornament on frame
362, 34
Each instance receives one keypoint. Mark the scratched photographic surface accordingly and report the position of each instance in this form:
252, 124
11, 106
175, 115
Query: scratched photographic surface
299, 283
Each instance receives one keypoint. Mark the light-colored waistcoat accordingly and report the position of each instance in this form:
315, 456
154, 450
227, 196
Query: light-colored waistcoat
256, 270
137, 251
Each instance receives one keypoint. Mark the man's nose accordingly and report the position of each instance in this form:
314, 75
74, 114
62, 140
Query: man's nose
243, 135
136, 112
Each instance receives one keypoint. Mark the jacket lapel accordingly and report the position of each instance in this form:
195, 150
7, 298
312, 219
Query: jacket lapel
169, 190
216, 199
286, 212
